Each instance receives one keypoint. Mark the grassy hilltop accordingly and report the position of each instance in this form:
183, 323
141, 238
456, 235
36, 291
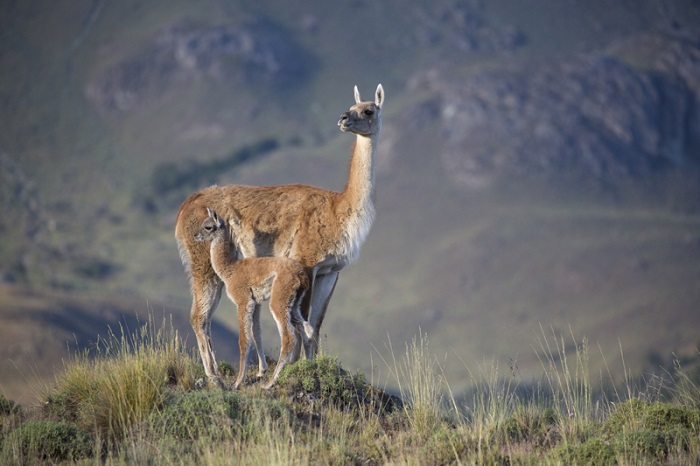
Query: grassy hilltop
538, 168
138, 399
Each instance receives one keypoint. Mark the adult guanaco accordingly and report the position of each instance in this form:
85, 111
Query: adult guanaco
323, 230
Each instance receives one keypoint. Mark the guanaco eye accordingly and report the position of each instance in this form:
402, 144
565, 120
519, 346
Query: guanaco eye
369, 112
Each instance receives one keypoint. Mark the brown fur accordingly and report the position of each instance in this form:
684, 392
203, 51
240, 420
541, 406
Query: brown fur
248, 283
321, 229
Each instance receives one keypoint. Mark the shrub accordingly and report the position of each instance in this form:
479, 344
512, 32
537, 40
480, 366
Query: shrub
651, 429
593, 451
61, 405
649, 443
550, 416
217, 415
325, 380
8, 407
636, 414
226, 369
515, 430
447, 446
46, 440
10, 415
527, 424
195, 414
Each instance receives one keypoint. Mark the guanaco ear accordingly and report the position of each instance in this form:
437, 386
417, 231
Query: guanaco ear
218, 220
357, 96
215, 216
379, 96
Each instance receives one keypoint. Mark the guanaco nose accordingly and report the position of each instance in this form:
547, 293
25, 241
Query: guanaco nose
343, 118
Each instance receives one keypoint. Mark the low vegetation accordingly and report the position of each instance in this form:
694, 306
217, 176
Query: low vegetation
139, 399
171, 180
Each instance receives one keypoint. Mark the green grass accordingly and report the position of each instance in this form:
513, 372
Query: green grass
135, 401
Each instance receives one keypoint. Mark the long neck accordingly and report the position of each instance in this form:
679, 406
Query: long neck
220, 252
359, 190
356, 203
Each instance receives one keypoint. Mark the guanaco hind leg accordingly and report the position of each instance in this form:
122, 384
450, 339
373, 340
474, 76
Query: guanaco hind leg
257, 340
246, 339
205, 300
289, 323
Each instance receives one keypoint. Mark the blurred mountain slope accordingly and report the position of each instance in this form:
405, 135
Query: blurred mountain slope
538, 161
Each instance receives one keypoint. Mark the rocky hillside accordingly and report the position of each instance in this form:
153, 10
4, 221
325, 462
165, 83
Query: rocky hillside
255, 53
603, 113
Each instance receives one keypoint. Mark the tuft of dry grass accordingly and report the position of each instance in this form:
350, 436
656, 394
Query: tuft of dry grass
116, 386
421, 384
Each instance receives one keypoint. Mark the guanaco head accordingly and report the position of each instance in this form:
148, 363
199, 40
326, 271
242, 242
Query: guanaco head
211, 227
364, 118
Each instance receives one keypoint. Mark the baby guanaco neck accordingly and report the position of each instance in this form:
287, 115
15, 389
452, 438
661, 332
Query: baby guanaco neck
222, 253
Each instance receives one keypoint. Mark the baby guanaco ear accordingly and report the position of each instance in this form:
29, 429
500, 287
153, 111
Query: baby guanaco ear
219, 221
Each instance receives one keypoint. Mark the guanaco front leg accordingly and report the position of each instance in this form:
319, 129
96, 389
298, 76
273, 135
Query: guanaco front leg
314, 308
